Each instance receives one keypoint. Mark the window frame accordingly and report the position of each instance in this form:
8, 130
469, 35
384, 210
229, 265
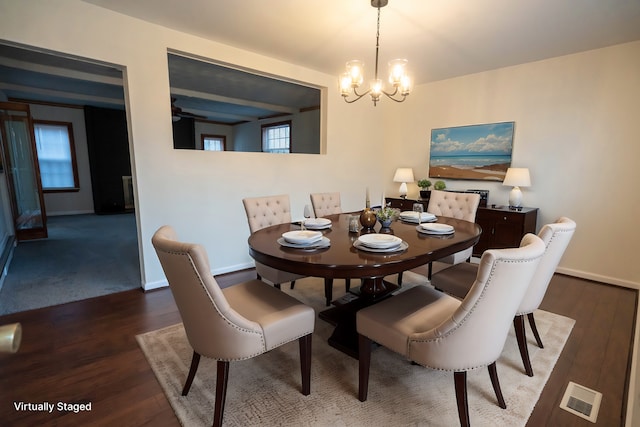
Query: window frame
72, 149
222, 137
272, 125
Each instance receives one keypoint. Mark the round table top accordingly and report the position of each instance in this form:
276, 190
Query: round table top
342, 260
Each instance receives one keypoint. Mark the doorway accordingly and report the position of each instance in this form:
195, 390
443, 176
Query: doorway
72, 86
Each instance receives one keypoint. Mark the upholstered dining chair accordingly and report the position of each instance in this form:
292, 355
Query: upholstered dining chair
455, 205
458, 279
325, 204
441, 332
328, 204
263, 212
235, 323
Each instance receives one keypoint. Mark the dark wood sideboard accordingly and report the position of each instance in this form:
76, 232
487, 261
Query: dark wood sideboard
502, 227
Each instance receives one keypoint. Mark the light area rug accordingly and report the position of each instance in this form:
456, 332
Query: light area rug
265, 391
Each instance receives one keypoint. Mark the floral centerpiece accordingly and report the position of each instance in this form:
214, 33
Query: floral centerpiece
386, 215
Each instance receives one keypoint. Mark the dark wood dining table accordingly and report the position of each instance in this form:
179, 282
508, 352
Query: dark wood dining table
342, 260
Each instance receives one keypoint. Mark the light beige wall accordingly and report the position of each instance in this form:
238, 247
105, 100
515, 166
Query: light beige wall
576, 129
200, 194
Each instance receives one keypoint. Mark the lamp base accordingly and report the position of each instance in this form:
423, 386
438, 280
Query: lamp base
515, 198
403, 190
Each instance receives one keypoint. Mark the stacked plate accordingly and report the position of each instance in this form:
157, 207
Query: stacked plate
410, 216
380, 243
435, 228
317, 223
303, 239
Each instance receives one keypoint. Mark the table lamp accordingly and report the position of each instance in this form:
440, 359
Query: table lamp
516, 177
403, 175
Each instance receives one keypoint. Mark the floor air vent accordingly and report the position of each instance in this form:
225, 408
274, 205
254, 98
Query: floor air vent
581, 401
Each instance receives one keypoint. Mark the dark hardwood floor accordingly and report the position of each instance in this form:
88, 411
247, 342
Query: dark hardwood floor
86, 352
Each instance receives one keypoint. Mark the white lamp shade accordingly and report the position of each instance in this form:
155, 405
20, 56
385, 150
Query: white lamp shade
517, 177
403, 175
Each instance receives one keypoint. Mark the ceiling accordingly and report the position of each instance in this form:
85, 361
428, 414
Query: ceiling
440, 38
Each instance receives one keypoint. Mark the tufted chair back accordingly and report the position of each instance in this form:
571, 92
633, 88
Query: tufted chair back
325, 204
454, 205
266, 211
263, 212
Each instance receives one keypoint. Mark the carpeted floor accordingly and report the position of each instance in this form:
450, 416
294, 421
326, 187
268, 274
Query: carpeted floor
85, 256
266, 390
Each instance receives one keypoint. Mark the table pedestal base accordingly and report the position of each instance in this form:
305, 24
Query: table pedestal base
343, 314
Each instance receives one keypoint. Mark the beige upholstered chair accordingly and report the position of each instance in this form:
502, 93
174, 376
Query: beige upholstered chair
440, 332
235, 323
455, 205
263, 212
457, 280
325, 204
328, 204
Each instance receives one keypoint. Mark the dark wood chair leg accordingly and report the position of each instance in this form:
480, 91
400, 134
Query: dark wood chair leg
276, 285
364, 363
221, 392
305, 363
460, 381
430, 271
195, 360
400, 279
518, 324
328, 290
293, 284
493, 374
258, 276
347, 285
532, 323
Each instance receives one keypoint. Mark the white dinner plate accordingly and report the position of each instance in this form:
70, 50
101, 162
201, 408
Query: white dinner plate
359, 245
435, 228
324, 242
379, 241
317, 223
410, 216
302, 237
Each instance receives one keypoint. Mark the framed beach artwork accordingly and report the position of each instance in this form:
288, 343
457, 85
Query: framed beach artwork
475, 152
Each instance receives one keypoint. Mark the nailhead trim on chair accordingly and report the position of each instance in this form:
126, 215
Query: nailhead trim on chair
233, 325
491, 274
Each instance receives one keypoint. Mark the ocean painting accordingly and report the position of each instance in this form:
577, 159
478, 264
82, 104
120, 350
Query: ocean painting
477, 152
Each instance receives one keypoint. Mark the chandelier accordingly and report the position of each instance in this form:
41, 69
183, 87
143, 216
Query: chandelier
352, 79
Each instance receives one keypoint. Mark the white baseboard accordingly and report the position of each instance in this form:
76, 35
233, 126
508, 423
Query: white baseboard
598, 278
229, 269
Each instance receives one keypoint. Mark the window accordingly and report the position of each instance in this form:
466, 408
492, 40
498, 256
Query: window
56, 156
214, 142
276, 137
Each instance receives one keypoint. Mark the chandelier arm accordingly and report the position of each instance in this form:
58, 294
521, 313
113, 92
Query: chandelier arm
358, 96
394, 99
392, 93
